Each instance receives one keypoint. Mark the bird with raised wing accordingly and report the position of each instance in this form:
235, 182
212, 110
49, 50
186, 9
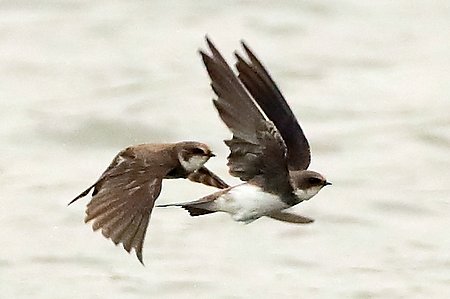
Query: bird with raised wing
270, 152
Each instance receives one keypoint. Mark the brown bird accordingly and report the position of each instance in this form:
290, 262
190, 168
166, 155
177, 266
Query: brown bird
124, 195
271, 155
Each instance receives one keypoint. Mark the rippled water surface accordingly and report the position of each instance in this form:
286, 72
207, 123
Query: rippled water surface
369, 81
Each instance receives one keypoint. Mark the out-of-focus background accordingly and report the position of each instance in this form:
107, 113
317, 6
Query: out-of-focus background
368, 80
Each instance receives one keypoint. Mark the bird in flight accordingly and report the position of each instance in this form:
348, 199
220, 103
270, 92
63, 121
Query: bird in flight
124, 195
269, 153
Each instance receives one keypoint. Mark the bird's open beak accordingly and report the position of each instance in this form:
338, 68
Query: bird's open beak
327, 183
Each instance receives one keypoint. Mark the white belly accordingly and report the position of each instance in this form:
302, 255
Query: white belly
308, 193
248, 202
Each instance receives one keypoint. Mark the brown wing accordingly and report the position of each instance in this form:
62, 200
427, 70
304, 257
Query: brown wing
123, 199
207, 177
290, 217
238, 110
257, 151
266, 93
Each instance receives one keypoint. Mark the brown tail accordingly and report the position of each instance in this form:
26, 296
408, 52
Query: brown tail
201, 206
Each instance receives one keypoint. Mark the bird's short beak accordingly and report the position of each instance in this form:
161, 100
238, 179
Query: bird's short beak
327, 183
211, 155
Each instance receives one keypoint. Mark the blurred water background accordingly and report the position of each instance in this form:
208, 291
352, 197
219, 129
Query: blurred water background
368, 80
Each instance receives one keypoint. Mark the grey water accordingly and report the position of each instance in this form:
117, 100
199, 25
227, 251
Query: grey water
368, 80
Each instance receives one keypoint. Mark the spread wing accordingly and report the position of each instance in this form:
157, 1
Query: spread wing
123, 199
266, 93
257, 151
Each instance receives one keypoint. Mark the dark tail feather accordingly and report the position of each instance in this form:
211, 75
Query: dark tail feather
202, 206
194, 211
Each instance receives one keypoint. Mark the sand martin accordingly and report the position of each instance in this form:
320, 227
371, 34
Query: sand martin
270, 154
124, 195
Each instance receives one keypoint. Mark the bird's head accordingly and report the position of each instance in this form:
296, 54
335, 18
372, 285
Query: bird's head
307, 183
192, 155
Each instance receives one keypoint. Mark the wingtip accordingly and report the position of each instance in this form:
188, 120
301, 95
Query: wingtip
244, 45
137, 252
202, 54
139, 256
240, 60
237, 55
209, 42
207, 60
249, 52
215, 53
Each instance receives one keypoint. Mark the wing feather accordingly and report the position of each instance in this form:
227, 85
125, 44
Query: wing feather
130, 232
124, 195
257, 152
124, 199
266, 93
232, 97
207, 177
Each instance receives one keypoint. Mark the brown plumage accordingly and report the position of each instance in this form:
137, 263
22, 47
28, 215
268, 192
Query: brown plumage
257, 151
266, 93
124, 195
268, 149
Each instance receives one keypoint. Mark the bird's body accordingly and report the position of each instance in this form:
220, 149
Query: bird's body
124, 195
246, 203
268, 151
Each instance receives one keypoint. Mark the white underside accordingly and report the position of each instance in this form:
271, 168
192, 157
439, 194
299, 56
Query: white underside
307, 193
248, 202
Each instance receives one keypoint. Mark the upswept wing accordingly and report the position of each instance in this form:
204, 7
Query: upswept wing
257, 151
268, 96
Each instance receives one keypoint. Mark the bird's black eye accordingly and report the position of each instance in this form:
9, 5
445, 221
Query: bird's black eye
198, 151
314, 181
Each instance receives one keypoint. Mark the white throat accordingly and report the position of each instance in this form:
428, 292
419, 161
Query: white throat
193, 163
307, 193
